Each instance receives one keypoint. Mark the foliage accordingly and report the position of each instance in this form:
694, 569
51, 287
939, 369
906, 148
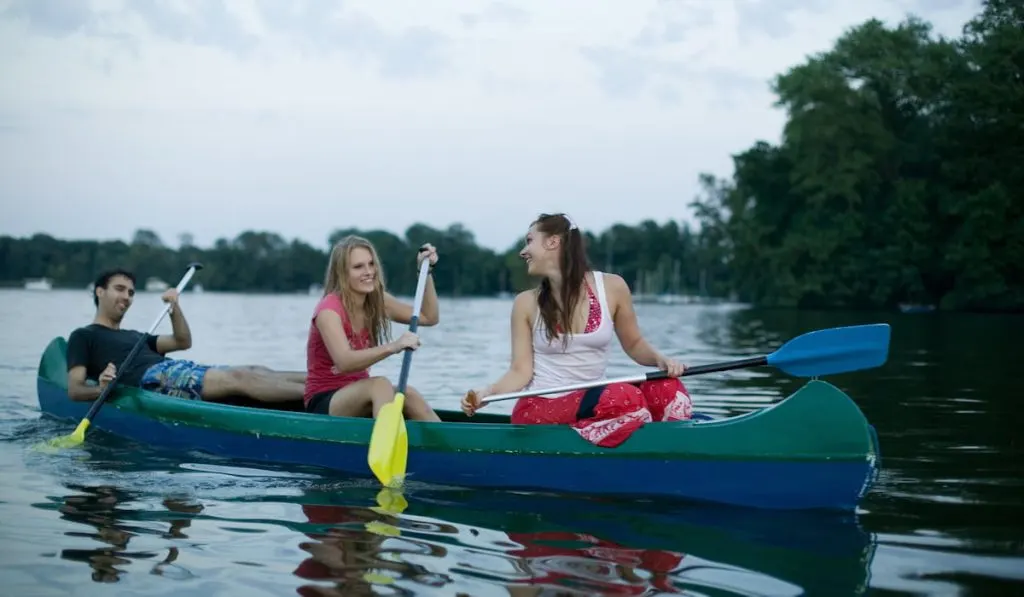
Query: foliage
661, 258
899, 178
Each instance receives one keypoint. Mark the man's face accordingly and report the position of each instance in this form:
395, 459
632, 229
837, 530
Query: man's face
117, 297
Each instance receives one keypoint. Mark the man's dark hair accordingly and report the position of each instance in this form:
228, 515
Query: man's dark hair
104, 279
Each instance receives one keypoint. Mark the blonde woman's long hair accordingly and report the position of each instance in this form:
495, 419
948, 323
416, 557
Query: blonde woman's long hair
336, 281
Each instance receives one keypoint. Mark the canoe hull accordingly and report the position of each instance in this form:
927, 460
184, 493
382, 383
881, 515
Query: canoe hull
683, 461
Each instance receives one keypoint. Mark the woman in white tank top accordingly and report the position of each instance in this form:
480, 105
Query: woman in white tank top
543, 356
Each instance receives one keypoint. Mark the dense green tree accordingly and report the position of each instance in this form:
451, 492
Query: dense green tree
899, 178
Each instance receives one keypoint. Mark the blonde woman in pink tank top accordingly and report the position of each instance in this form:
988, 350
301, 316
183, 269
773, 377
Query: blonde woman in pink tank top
594, 306
349, 332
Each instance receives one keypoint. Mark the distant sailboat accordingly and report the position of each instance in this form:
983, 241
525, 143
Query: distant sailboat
38, 284
156, 285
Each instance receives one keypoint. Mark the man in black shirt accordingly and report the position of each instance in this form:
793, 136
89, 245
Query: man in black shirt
95, 350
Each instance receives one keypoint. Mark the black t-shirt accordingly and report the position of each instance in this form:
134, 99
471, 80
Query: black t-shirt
96, 345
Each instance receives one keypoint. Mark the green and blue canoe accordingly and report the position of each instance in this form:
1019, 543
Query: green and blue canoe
812, 450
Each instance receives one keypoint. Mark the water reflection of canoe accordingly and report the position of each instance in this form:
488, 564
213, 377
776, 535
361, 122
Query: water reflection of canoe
693, 547
812, 450
601, 546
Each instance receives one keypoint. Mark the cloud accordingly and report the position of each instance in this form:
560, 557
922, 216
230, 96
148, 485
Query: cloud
245, 30
51, 17
498, 13
774, 18
301, 116
204, 23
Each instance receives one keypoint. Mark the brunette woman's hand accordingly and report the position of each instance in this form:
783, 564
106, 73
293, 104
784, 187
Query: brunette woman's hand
673, 368
471, 402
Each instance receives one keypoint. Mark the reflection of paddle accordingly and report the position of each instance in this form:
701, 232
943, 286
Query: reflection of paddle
389, 444
822, 352
78, 436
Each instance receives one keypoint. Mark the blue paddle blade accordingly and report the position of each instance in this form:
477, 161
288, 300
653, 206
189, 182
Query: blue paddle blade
834, 350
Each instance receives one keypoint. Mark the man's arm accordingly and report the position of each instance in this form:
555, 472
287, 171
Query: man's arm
78, 389
78, 358
180, 337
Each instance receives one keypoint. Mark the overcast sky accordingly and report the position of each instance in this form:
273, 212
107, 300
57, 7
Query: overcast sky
305, 116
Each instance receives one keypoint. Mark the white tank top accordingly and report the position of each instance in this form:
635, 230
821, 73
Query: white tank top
583, 359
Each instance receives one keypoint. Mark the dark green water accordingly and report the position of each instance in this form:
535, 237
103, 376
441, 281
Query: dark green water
119, 519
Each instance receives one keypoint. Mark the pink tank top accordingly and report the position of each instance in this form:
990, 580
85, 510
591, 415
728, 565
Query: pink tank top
321, 374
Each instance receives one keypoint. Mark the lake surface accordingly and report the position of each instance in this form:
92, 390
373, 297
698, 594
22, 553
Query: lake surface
117, 518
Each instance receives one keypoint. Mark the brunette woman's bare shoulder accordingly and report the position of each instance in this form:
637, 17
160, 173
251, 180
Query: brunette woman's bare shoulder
615, 282
526, 299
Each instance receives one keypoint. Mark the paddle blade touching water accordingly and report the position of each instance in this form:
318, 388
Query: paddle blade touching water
389, 443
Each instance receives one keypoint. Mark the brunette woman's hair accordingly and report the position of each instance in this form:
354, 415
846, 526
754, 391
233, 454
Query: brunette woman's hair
336, 282
573, 265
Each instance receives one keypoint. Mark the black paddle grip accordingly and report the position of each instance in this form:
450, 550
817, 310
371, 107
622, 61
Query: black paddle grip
700, 369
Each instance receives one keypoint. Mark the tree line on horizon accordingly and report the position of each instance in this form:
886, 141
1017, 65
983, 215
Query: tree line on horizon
656, 258
899, 179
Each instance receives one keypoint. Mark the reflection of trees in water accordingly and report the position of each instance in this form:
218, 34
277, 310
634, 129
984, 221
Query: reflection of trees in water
98, 507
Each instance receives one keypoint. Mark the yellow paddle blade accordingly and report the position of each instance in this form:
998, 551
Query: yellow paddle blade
377, 579
390, 501
389, 444
65, 441
383, 529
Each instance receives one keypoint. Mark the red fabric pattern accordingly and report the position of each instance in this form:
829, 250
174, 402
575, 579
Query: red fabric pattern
321, 374
593, 316
544, 559
621, 409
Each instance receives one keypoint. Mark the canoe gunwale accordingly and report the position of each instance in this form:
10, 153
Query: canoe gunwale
813, 449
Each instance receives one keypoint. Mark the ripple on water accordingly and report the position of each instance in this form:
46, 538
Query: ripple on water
120, 518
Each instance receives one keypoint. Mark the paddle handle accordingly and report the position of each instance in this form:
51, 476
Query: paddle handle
414, 322
650, 376
192, 269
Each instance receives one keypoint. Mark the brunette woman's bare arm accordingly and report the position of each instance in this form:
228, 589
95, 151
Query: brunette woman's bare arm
520, 370
626, 327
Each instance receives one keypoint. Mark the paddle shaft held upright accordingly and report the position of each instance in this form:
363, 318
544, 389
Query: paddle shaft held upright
414, 322
192, 269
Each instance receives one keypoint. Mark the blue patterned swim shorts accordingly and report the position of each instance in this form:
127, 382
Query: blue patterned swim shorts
177, 377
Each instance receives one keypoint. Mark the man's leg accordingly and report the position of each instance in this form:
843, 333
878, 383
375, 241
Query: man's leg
292, 376
260, 385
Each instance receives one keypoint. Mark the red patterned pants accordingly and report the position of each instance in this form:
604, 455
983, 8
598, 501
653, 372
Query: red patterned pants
606, 416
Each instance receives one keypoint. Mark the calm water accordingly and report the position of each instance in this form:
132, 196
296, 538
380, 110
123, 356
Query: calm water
118, 518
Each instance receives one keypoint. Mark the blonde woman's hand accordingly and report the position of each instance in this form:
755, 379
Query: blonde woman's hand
427, 251
407, 340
